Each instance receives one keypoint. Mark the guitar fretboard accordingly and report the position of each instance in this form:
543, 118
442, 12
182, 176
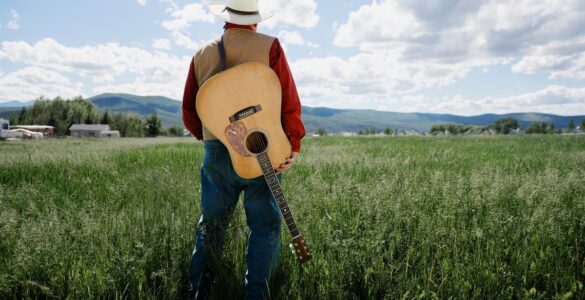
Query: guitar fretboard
276, 190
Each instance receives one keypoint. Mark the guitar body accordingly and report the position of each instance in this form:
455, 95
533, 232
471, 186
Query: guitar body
241, 107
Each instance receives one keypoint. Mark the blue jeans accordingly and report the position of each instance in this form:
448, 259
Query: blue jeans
220, 190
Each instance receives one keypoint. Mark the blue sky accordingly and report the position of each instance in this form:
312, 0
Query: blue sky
442, 56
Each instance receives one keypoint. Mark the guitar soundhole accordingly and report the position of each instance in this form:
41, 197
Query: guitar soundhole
256, 142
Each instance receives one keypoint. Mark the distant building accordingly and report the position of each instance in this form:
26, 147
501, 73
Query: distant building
47, 131
4, 128
24, 134
347, 133
92, 130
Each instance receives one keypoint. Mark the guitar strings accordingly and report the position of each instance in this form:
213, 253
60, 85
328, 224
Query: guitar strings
258, 139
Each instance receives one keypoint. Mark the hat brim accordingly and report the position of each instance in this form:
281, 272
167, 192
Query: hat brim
220, 11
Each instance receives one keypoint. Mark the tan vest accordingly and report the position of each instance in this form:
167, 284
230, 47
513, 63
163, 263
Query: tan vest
241, 46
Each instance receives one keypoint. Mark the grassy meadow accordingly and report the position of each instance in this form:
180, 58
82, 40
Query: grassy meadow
387, 218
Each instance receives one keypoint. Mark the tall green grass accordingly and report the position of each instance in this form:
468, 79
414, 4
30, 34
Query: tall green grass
398, 217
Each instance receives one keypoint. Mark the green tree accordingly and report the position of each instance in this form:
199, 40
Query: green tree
505, 125
533, 128
582, 125
571, 125
13, 119
119, 122
542, 127
388, 131
176, 130
153, 125
370, 131
436, 129
106, 119
450, 128
135, 126
22, 116
88, 119
321, 132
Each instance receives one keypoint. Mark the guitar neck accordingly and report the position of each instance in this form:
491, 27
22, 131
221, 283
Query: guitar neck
276, 190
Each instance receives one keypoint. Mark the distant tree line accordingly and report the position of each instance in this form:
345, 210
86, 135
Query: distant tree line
374, 131
62, 113
503, 126
542, 128
500, 126
368, 131
456, 129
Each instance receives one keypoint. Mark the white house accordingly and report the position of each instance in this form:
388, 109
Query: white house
4, 128
92, 130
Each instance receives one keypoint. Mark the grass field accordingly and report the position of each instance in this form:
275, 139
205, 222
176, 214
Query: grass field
392, 217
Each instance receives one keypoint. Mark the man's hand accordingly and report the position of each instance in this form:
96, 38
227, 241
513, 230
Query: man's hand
287, 163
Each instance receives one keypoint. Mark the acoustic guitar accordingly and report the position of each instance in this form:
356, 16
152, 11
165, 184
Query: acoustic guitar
241, 107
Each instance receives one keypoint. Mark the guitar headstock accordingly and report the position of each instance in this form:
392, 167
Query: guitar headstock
300, 249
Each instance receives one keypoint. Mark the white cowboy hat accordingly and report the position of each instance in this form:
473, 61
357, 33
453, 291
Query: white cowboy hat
241, 12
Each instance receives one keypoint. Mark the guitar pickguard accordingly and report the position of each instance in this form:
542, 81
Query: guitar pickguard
236, 136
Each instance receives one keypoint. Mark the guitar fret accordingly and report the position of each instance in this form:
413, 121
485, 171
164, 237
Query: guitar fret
276, 190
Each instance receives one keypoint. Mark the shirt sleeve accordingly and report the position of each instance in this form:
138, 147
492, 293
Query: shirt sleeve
190, 117
291, 104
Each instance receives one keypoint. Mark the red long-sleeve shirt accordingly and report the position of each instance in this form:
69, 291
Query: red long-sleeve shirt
290, 107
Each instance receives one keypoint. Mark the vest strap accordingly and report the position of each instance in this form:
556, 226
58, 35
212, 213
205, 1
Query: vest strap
222, 59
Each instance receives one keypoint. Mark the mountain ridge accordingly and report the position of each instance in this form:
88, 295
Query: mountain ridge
330, 119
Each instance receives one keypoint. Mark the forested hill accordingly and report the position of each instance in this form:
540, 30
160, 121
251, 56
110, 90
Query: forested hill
168, 110
332, 120
337, 120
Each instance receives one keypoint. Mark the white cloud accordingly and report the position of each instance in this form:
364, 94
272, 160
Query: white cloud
381, 81
294, 38
370, 80
552, 99
15, 21
162, 44
155, 73
408, 46
184, 40
459, 31
564, 59
173, 90
300, 13
182, 18
101, 62
384, 22
142, 2
32, 82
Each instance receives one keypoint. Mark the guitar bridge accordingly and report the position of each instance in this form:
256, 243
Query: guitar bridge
244, 113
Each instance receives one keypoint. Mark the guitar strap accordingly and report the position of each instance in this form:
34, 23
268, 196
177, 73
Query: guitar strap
222, 59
